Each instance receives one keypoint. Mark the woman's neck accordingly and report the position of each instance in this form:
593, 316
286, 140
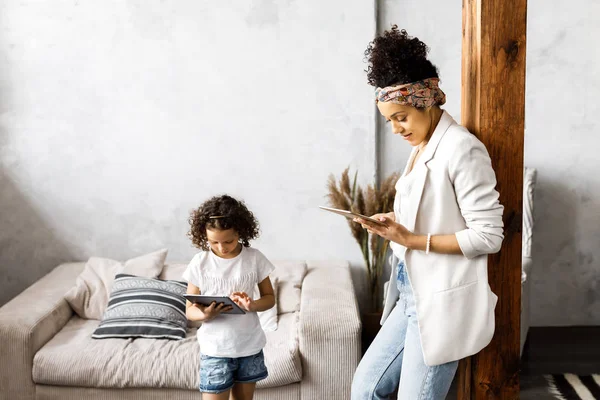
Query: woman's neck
436, 115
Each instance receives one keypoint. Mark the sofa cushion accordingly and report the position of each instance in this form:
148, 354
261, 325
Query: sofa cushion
290, 276
268, 318
89, 297
73, 358
144, 307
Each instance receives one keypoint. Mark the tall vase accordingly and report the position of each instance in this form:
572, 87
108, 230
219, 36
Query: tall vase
370, 328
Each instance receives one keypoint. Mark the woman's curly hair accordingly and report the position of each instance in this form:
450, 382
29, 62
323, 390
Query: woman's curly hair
232, 213
395, 58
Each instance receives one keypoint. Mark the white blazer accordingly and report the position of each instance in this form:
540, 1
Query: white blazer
454, 191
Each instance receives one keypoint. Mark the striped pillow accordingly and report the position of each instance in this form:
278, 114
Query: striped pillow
144, 307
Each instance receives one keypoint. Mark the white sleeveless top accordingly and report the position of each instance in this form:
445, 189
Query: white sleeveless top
402, 205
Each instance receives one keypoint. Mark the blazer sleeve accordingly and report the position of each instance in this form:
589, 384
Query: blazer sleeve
474, 181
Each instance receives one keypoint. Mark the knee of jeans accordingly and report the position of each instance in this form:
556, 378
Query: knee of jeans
357, 392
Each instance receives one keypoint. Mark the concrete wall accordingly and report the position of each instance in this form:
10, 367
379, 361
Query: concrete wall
117, 118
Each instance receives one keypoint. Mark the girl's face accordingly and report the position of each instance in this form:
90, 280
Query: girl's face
224, 243
413, 124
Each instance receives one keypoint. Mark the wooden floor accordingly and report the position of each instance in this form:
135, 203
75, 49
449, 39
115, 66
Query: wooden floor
555, 350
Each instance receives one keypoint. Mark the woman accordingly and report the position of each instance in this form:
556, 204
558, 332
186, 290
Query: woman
447, 218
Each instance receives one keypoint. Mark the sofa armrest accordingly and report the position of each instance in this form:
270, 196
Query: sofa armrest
525, 299
330, 331
29, 321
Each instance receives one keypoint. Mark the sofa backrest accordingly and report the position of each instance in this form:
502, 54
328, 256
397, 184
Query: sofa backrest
529, 181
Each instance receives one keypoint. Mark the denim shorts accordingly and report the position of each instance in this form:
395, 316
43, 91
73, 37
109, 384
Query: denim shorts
218, 374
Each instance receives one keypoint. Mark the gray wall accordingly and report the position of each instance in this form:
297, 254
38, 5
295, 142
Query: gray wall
562, 142
116, 118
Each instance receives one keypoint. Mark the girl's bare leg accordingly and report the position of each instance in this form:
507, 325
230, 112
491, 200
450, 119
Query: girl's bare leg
243, 391
216, 396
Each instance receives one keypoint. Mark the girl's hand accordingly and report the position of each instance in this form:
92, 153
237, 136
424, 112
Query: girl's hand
243, 300
391, 230
213, 310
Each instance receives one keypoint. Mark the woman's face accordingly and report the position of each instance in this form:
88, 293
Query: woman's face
413, 124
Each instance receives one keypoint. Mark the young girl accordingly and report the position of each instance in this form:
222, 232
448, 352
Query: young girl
231, 356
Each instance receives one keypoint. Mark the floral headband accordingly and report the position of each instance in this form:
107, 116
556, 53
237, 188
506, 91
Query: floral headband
421, 94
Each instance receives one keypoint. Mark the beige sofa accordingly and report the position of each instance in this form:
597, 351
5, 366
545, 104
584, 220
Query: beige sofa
46, 351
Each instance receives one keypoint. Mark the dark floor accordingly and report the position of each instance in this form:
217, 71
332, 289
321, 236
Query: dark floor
555, 350
532, 388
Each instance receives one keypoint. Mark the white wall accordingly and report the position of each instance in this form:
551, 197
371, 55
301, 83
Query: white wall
117, 118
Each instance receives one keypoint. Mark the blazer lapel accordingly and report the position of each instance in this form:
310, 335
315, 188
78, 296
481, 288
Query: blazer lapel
421, 169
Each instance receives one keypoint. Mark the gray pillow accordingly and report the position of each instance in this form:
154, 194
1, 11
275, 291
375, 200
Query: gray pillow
144, 308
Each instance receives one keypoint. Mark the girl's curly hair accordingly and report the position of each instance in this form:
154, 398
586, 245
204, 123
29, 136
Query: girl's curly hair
232, 213
395, 58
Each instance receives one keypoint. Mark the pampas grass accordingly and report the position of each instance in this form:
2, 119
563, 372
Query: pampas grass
345, 194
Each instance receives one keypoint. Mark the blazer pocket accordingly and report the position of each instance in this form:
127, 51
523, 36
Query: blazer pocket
457, 288
454, 276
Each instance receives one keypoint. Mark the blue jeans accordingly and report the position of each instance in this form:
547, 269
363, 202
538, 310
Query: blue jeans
395, 358
218, 374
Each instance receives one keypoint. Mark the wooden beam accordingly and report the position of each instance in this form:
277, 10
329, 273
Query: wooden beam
493, 108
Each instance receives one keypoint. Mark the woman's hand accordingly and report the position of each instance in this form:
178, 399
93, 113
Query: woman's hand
243, 300
390, 230
390, 215
211, 311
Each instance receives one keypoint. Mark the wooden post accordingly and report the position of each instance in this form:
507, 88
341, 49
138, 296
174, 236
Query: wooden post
493, 108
